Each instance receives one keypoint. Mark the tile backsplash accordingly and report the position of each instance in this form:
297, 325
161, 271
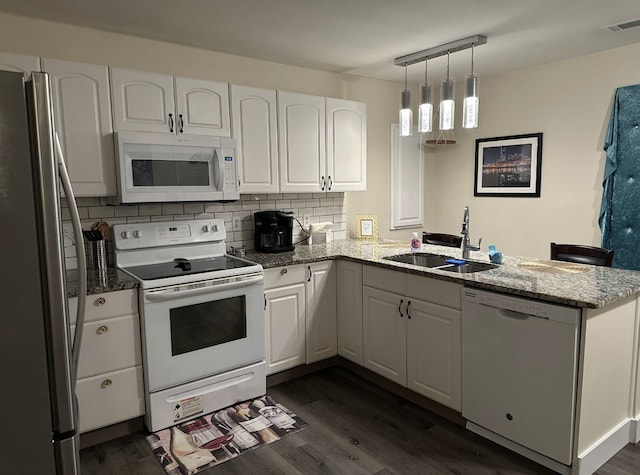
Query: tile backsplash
320, 207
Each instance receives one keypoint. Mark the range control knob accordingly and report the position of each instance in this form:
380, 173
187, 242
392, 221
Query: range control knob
137, 234
125, 235
205, 228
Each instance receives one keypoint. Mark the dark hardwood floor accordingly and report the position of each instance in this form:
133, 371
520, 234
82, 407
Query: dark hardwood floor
355, 427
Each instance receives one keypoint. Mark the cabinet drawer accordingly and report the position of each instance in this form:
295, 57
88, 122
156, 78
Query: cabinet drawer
110, 398
109, 345
106, 305
287, 275
384, 279
434, 290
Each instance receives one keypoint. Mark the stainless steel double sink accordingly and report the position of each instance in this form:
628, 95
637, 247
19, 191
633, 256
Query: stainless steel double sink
437, 261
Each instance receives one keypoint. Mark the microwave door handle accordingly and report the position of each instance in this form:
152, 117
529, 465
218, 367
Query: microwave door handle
219, 164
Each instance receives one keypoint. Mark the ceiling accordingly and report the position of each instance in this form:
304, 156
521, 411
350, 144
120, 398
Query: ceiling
361, 37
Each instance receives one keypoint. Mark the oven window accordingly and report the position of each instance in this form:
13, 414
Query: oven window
170, 172
207, 324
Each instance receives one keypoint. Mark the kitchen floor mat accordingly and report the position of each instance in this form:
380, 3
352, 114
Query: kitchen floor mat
196, 445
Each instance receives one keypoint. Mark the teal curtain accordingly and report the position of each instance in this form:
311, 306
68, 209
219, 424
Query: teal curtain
620, 208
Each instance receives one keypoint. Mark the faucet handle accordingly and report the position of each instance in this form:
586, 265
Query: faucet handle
479, 243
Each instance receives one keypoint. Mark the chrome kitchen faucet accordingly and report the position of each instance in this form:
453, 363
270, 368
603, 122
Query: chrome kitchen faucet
466, 240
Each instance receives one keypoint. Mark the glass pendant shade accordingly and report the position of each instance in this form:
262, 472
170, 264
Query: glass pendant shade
406, 114
447, 105
425, 111
471, 103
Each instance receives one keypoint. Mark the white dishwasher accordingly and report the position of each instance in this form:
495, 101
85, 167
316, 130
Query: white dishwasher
519, 371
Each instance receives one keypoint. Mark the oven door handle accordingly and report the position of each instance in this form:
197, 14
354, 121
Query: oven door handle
171, 294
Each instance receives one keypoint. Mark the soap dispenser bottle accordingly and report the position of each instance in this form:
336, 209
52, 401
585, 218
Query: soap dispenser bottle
415, 242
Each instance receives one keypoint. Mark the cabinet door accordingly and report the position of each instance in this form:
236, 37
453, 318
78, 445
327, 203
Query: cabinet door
321, 318
285, 327
434, 352
407, 180
349, 303
346, 145
19, 63
82, 109
384, 336
142, 101
255, 130
202, 107
301, 139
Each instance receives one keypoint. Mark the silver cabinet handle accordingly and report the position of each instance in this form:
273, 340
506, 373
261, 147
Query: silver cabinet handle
102, 330
180, 123
323, 182
330, 183
170, 122
400, 308
310, 274
283, 271
408, 314
106, 383
100, 301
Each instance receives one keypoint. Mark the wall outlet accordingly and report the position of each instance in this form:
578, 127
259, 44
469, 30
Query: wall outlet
306, 220
237, 223
67, 234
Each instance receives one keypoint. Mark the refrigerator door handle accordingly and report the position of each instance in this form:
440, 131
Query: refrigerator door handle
62, 382
81, 257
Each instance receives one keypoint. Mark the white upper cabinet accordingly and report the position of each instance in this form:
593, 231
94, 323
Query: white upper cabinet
254, 119
152, 102
322, 142
346, 145
19, 63
301, 133
82, 112
202, 107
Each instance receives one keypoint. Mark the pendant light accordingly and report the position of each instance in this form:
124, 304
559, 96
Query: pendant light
471, 102
406, 115
425, 111
447, 101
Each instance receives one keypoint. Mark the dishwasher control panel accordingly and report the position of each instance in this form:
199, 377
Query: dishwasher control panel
523, 306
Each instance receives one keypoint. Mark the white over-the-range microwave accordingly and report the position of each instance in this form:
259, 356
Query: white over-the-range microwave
153, 167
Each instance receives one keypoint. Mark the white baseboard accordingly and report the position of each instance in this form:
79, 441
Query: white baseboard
599, 453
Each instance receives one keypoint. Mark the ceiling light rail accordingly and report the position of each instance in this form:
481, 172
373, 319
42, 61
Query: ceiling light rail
452, 47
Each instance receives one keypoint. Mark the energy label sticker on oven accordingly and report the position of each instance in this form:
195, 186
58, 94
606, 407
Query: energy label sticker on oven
187, 407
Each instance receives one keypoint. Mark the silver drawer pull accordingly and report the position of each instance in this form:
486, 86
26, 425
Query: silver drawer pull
283, 271
102, 330
101, 301
106, 383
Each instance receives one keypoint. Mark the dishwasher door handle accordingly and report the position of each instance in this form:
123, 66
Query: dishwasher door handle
518, 315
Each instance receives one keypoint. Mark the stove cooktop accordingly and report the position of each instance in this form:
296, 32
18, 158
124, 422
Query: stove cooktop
183, 267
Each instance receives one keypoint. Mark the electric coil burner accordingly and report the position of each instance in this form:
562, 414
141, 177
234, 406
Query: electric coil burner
202, 318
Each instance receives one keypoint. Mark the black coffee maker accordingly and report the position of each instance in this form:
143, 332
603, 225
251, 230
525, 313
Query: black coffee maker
273, 231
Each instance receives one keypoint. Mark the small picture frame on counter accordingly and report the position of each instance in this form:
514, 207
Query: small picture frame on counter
367, 226
509, 166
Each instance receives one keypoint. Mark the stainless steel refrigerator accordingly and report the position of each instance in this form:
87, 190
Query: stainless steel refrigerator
38, 433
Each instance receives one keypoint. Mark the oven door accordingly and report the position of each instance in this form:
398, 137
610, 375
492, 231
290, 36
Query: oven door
200, 329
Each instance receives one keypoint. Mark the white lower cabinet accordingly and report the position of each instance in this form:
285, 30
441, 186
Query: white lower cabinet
409, 340
300, 315
109, 387
349, 310
321, 319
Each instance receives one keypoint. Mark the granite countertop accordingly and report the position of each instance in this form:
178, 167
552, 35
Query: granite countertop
97, 283
590, 286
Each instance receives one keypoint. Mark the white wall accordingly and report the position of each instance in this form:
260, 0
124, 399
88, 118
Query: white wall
570, 103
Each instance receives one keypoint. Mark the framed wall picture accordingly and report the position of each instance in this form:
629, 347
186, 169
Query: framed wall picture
509, 166
367, 226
